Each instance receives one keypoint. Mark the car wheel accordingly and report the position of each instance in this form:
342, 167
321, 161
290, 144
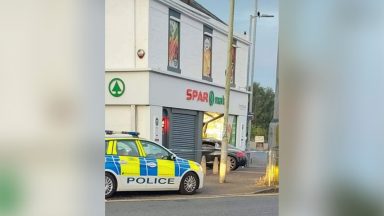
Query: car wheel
110, 185
233, 163
189, 184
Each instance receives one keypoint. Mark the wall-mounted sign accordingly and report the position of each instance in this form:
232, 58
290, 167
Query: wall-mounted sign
116, 87
157, 129
259, 139
205, 97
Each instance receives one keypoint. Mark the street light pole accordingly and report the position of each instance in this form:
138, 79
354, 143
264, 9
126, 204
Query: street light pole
228, 76
253, 20
251, 67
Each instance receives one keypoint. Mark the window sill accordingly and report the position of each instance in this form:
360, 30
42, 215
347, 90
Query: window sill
209, 79
174, 69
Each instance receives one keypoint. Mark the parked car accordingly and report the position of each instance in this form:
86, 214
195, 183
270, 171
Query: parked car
211, 148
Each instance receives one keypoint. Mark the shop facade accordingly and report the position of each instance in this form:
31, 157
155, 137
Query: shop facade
174, 93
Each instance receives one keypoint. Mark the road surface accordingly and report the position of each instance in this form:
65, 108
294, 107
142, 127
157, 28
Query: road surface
241, 205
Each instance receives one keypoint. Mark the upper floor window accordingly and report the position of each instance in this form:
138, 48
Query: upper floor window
207, 54
174, 41
234, 45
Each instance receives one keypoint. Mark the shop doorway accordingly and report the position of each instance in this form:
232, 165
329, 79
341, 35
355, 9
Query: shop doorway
181, 132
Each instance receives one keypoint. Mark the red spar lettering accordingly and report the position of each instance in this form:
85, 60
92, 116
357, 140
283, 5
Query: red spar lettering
205, 97
197, 95
189, 94
194, 94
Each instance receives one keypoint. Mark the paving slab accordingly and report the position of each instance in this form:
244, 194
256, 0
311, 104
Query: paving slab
240, 181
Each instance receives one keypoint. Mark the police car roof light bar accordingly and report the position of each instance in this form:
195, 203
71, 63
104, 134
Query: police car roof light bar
109, 132
132, 133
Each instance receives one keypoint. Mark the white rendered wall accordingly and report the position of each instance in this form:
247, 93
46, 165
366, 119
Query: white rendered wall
191, 47
136, 88
117, 117
156, 131
241, 132
126, 31
170, 91
143, 121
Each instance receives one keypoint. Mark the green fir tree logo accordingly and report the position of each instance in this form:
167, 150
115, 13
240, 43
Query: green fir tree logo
116, 87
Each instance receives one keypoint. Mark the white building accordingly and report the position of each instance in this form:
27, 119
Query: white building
165, 73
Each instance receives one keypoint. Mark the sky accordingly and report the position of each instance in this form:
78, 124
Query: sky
266, 33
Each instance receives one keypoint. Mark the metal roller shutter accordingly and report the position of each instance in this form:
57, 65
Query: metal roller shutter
184, 135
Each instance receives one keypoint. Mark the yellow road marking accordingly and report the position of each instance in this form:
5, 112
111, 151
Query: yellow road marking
192, 198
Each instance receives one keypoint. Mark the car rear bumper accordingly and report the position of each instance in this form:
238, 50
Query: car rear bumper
242, 161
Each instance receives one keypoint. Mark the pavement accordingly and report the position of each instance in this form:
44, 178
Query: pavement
239, 182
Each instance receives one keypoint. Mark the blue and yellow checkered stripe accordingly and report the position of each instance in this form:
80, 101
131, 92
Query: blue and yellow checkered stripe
138, 166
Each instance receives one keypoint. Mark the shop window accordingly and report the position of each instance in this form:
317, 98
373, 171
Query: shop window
207, 54
213, 127
232, 120
174, 41
233, 75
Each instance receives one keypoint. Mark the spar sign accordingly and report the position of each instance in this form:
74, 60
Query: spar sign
204, 97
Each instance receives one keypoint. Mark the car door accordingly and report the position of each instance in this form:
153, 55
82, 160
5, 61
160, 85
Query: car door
160, 166
110, 158
130, 160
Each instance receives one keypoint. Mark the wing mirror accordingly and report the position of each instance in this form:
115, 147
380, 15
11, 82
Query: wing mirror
172, 157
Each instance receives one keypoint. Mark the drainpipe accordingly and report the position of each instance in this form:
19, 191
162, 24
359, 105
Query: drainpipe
133, 118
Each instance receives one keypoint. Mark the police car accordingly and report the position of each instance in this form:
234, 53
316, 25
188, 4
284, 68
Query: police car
136, 164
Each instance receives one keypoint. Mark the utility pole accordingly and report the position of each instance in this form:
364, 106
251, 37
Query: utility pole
228, 76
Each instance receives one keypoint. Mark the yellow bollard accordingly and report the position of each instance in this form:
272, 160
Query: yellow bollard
215, 166
204, 164
228, 165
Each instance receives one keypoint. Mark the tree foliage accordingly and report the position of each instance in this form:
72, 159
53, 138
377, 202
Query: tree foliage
263, 102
